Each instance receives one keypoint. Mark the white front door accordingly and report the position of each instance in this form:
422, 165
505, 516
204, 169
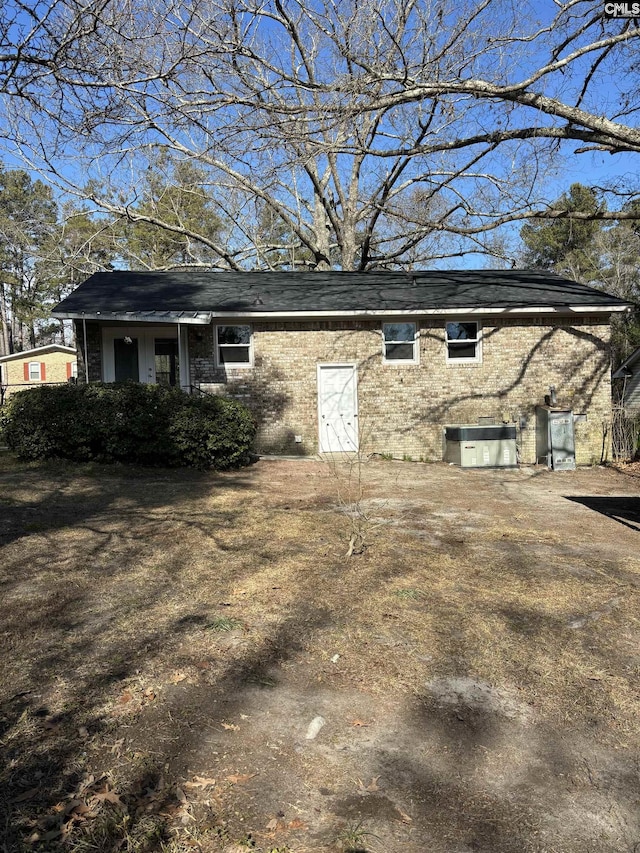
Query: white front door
338, 408
153, 355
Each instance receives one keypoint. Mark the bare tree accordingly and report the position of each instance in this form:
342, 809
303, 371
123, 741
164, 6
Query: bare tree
370, 129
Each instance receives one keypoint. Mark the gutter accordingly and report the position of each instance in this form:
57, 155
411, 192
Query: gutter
205, 318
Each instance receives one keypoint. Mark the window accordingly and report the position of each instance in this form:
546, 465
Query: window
167, 361
34, 371
233, 346
463, 342
400, 343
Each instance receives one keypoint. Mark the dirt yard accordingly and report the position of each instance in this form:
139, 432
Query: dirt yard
188, 662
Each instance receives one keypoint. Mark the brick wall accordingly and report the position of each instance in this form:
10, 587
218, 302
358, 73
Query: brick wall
402, 408
55, 370
94, 350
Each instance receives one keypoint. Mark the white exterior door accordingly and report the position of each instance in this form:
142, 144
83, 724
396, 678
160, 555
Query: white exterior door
154, 355
338, 408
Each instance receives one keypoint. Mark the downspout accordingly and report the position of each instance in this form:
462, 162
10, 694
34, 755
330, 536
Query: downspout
86, 357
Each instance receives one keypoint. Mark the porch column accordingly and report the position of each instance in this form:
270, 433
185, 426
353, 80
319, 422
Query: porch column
183, 357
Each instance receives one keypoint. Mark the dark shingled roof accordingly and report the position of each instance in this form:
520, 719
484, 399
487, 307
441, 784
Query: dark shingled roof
308, 292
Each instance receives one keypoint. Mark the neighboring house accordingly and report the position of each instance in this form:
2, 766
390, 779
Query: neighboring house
383, 360
629, 374
46, 365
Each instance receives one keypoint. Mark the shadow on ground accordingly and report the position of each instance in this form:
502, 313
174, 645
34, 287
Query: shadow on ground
168, 638
625, 510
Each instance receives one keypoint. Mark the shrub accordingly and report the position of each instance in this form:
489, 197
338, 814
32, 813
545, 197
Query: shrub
213, 432
128, 422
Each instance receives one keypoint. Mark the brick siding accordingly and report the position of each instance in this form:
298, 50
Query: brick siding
403, 407
55, 366
94, 350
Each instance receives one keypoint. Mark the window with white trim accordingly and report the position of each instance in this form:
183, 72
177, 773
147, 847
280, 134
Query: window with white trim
400, 343
35, 374
463, 341
234, 346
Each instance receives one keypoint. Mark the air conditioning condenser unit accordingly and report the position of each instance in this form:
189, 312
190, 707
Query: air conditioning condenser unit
481, 446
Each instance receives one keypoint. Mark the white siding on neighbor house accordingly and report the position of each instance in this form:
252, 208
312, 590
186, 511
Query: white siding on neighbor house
632, 389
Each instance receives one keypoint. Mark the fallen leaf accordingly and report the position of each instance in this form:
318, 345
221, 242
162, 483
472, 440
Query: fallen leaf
404, 816
273, 824
177, 677
240, 778
200, 782
46, 836
230, 727
202, 664
79, 808
296, 823
107, 796
149, 694
181, 796
26, 795
126, 697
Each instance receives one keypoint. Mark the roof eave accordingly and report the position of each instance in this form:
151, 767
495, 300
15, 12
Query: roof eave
204, 318
566, 310
635, 355
40, 350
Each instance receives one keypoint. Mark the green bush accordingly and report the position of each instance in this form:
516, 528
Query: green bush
128, 422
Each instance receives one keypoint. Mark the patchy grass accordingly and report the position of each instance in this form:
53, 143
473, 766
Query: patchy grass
167, 637
224, 623
354, 839
410, 593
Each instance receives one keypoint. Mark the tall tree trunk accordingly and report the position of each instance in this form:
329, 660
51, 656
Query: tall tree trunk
322, 230
5, 339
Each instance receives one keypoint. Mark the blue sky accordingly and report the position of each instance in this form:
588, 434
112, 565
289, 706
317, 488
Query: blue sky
591, 169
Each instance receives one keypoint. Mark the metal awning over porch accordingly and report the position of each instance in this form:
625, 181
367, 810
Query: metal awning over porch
199, 318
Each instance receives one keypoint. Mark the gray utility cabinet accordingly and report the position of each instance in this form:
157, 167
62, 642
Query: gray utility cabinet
481, 446
555, 441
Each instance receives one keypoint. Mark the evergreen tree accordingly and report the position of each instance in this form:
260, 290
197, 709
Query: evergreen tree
175, 194
564, 245
604, 255
28, 217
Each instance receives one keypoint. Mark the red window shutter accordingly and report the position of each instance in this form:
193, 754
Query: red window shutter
43, 371
26, 371
68, 370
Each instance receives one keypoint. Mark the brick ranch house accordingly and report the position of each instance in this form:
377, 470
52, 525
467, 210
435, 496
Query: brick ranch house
330, 360
46, 365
